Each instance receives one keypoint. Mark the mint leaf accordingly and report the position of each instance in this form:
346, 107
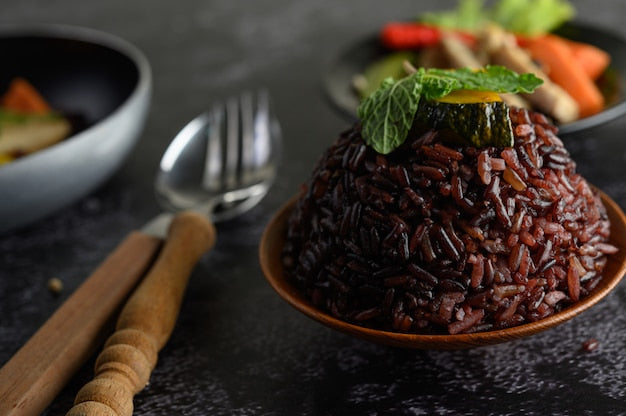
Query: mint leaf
437, 85
492, 78
388, 113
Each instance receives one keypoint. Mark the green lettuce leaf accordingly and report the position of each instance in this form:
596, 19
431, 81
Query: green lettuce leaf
533, 17
527, 17
469, 15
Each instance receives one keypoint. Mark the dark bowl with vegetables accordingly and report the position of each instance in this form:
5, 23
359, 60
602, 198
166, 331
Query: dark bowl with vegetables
91, 89
370, 61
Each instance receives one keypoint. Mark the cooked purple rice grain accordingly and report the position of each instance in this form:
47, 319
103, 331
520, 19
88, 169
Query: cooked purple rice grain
438, 238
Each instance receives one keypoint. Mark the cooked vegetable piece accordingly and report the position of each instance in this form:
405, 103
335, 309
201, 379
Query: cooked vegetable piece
32, 134
459, 55
389, 66
27, 122
593, 60
548, 97
400, 35
469, 97
554, 53
408, 35
22, 97
476, 118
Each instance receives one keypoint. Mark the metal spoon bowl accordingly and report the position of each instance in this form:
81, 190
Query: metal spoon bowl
271, 247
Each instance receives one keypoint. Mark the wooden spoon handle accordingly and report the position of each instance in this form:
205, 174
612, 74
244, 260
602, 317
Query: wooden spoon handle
123, 367
38, 371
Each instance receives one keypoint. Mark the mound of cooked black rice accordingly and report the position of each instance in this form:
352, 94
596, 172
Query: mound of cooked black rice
441, 238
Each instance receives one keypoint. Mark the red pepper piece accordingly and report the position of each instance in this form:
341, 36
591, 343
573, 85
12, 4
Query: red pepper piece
403, 35
409, 35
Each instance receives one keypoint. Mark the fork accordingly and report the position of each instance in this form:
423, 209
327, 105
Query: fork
235, 169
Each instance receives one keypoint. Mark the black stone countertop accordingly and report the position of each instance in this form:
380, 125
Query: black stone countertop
238, 349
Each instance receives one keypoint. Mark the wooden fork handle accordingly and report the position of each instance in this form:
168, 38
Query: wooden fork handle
123, 367
40, 369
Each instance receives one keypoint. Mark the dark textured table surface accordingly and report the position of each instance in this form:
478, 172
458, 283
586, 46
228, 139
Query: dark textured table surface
238, 349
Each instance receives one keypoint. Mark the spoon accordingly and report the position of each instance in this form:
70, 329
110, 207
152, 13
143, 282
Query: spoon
218, 166
273, 240
221, 164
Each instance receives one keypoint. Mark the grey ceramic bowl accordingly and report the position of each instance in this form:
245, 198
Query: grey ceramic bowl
101, 80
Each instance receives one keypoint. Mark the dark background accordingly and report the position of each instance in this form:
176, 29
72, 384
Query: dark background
238, 349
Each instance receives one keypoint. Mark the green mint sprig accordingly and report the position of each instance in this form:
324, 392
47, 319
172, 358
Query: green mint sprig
388, 113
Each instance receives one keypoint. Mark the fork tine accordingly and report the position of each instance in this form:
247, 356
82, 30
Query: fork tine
239, 141
212, 177
247, 136
230, 155
262, 129
233, 146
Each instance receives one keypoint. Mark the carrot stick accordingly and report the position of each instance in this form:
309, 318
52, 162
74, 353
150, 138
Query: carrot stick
22, 97
591, 58
554, 53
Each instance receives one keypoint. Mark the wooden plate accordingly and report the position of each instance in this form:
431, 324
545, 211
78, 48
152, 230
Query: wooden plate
273, 240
